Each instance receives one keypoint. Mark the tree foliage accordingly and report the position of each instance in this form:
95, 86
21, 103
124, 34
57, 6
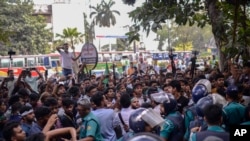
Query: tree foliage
187, 46
229, 21
103, 15
122, 44
71, 35
171, 35
23, 32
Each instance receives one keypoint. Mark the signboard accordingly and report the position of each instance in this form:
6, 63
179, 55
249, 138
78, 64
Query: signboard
89, 55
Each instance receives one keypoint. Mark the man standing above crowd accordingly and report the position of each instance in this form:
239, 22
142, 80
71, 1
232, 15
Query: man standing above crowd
67, 58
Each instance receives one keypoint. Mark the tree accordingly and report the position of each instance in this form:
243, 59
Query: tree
89, 30
122, 44
104, 16
4, 36
187, 46
71, 35
229, 21
175, 35
24, 33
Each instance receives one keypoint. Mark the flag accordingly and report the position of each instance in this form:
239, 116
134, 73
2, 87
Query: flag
106, 73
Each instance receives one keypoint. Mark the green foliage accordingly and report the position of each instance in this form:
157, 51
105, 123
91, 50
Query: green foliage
71, 35
27, 34
104, 16
229, 22
176, 34
122, 44
188, 46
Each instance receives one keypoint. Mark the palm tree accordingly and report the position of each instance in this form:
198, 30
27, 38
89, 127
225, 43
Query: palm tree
104, 16
71, 35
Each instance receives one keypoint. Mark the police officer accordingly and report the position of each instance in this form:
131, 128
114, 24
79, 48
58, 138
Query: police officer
90, 127
213, 117
200, 90
143, 120
234, 112
200, 106
173, 128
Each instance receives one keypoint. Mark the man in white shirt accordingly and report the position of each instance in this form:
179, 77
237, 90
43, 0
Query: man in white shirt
67, 58
126, 110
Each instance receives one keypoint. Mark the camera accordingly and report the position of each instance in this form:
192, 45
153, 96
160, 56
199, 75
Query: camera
11, 52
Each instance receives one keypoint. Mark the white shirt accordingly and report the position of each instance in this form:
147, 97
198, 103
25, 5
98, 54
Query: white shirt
66, 59
125, 114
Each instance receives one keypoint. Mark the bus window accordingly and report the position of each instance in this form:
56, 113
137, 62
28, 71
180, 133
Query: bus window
46, 61
5, 63
18, 62
40, 61
31, 62
53, 63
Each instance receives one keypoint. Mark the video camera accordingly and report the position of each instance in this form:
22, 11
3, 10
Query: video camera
11, 52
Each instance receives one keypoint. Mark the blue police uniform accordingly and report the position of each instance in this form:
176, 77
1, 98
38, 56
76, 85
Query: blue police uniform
216, 131
90, 127
173, 128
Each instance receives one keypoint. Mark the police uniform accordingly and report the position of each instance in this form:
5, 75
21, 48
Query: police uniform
234, 114
90, 127
190, 114
173, 127
216, 131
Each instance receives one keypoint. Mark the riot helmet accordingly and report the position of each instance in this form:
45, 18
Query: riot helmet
170, 105
202, 88
142, 117
208, 100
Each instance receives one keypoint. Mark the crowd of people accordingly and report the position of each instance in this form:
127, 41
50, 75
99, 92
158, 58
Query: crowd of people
138, 106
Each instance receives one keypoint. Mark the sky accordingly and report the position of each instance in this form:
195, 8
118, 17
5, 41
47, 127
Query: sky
70, 15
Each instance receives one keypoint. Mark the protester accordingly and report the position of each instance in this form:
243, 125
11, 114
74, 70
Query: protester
114, 109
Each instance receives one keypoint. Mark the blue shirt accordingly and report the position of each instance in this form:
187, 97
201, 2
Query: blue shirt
35, 129
106, 118
26, 128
